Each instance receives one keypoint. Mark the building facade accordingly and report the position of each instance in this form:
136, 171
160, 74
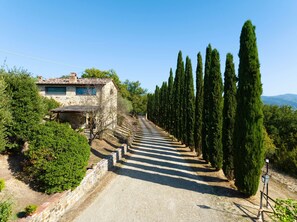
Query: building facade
83, 100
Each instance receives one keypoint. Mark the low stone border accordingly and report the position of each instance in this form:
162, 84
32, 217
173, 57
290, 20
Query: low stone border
59, 203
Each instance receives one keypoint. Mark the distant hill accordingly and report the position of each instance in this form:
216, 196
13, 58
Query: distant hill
281, 100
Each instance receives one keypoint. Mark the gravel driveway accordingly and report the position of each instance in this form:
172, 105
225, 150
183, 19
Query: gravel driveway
156, 183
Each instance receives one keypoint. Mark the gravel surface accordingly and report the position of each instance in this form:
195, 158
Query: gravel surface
157, 182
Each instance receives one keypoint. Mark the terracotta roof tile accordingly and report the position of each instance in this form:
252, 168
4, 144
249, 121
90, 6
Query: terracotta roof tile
80, 81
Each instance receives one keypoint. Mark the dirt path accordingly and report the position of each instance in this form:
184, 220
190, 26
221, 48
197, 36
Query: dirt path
161, 181
16, 191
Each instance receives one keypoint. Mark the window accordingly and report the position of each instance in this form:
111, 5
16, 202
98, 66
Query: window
55, 90
85, 91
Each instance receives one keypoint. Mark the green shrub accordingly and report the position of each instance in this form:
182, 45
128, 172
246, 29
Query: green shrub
2, 184
285, 210
5, 114
5, 210
281, 126
49, 104
27, 108
30, 209
57, 157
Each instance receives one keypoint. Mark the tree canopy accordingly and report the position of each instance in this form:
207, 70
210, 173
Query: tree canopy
26, 104
5, 115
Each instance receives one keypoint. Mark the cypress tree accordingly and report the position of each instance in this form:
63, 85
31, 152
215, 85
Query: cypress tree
205, 114
198, 106
176, 95
170, 101
215, 112
163, 105
229, 116
149, 106
189, 104
182, 119
248, 136
157, 105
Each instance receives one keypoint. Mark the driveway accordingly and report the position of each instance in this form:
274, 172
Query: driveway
159, 181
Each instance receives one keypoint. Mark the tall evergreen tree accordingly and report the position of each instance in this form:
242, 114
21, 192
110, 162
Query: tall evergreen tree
176, 95
163, 105
150, 106
198, 106
248, 136
170, 101
157, 105
215, 111
189, 108
205, 114
182, 119
229, 116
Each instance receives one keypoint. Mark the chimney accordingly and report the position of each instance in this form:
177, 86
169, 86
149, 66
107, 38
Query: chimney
73, 77
39, 78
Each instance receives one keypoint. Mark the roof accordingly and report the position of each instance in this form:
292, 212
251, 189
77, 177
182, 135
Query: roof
75, 109
79, 81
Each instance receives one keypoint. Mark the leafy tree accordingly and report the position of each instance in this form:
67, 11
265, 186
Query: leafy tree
206, 107
27, 108
215, 111
124, 105
269, 146
189, 104
248, 137
57, 157
97, 73
229, 116
49, 104
5, 115
198, 106
281, 126
137, 95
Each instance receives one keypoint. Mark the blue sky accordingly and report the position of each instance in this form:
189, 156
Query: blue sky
140, 39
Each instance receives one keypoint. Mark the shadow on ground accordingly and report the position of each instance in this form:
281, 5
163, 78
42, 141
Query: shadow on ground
157, 159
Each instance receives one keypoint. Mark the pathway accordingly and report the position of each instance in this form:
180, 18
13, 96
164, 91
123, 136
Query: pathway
156, 183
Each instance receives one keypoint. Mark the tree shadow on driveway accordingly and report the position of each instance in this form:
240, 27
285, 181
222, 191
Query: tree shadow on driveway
165, 164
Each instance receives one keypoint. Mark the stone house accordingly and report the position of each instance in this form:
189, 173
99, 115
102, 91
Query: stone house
86, 102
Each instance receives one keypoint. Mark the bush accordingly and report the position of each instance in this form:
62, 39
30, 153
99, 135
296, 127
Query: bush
285, 210
30, 209
5, 210
2, 184
27, 109
5, 115
57, 157
281, 126
49, 104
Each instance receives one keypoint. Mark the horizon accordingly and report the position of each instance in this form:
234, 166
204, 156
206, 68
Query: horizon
141, 40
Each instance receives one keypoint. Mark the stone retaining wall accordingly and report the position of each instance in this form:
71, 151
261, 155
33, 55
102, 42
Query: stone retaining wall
59, 203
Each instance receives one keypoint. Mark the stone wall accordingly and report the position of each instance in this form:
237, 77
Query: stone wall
59, 203
71, 98
109, 103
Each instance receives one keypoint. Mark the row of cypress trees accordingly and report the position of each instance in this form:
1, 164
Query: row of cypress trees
224, 123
